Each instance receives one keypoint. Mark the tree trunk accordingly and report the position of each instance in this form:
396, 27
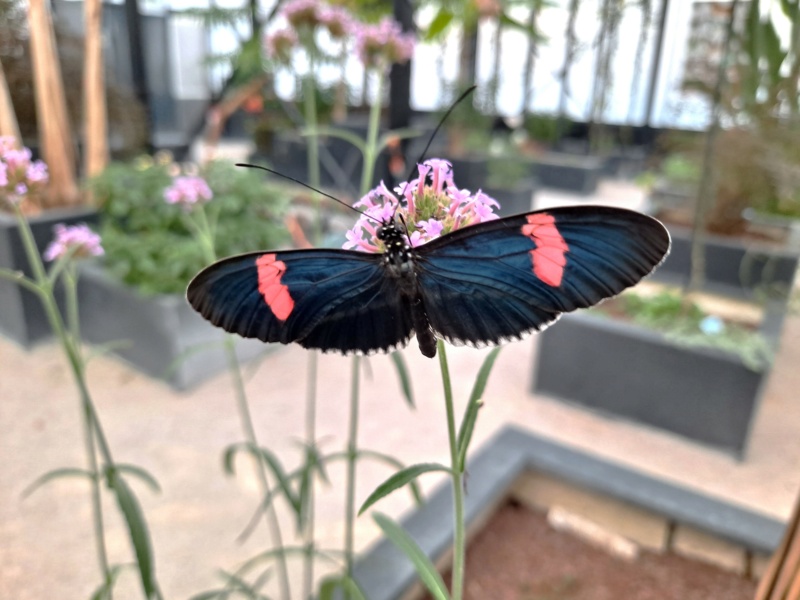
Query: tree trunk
55, 136
8, 119
94, 93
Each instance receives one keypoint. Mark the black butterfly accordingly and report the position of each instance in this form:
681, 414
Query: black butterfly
478, 285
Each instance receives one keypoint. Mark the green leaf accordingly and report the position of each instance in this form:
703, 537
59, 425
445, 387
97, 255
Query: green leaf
405, 379
137, 529
440, 22
474, 405
56, 474
392, 461
400, 479
422, 564
141, 474
347, 584
272, 462
343, 134
104, 591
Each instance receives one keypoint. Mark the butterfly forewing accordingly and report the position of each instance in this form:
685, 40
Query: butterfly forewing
324, 299
500, 279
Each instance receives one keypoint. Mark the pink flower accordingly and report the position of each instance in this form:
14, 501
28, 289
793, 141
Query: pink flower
378, 46
188, 191
79, 239
19, 175
301, 12
279, 44
433, 206
337, 20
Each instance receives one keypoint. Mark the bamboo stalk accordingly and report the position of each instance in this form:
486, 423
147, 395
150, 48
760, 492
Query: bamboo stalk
94, 97
8, 118
55, 136
782, 578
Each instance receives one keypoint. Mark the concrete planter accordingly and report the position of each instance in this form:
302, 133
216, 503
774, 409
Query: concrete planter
734, 267
22, 318
514, 199
703, 394
654, 513
160, 336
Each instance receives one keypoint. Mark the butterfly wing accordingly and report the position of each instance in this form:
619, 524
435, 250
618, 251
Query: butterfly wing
326, 299
500, 279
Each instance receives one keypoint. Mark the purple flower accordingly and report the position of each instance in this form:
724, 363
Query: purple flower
188, 191
433, 206
78, 239
301, 13
378, 46
337, 20
19, 175
280, 43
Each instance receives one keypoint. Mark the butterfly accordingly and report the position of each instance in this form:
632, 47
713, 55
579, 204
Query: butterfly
479, 285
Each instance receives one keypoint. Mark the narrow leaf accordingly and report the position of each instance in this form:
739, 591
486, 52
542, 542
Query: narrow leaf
271, 461
405, 379
473, 406
400, 479
56, 474
422, 564
137, 529
340, 582
347, 136
141, 474
440, 22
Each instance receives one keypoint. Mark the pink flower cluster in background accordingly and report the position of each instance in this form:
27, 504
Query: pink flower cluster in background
433, 206
188, 190
78, 239
19, 175
377, 45
383, 44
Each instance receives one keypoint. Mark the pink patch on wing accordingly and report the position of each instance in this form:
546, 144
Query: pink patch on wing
276, 295
549, 255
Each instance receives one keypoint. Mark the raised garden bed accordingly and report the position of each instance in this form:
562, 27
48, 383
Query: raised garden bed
22, 318
160, 335
704, 394
655, 514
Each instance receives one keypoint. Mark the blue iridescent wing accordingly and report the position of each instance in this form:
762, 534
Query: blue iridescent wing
503, 278
325, 299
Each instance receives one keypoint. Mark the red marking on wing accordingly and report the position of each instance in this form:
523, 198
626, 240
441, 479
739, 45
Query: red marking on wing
549, 256
276, 295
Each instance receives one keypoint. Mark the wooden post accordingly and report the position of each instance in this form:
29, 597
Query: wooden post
8, 118
55, 136
781, 581
94, 94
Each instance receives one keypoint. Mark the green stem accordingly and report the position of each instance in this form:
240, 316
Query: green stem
199, 223
310, 436
310, 114
457, 583
352, 455
246, 417
70, 344
370, 151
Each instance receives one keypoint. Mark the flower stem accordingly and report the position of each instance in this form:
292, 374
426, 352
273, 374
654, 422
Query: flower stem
370, 151
352, 456
198, 221
457, 583
70, 341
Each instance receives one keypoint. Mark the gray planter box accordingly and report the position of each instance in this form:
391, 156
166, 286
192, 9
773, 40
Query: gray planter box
161, 336
703, 394
733, 266
384, 573
22, 317
513, 200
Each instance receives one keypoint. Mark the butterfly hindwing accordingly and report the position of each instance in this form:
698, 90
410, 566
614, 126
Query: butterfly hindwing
325, 299
500, 279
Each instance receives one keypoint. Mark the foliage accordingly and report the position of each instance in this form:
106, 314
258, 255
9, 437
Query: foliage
544, 128
684, 322
148, 244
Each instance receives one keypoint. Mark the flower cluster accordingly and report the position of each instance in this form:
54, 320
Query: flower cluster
188, 190
19, 175
81, 241
383, 44
378, 46
434, 206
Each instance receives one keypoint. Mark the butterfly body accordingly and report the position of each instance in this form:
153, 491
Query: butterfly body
478, 285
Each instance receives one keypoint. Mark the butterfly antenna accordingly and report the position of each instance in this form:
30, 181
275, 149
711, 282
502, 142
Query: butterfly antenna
466, 93
312, 188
